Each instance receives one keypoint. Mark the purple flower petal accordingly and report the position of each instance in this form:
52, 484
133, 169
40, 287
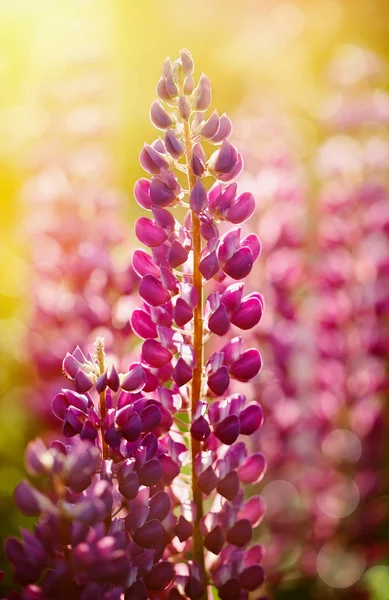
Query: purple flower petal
154, 354
219, 322
247, 366
214, 540
242, 209
251, 419
252, 578
228, 430
142, 193
207, 481
184, 529
149, 535
253, 468
219, 381
198, 198
159, 117
143, 264
240, 264
149, 233
229, 486
182, 373
248, 313
240, 534
152, 291
209, 265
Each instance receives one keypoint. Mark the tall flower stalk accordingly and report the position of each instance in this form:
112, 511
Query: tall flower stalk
145, 498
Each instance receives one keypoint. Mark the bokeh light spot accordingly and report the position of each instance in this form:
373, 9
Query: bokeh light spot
339, 568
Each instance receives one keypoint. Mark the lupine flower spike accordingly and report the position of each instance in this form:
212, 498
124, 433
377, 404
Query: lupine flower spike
147, 500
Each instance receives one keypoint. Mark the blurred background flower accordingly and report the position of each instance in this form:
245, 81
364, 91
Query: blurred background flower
77, 78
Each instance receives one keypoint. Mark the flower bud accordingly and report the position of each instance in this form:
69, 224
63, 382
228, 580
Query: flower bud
182, 373
240, 534
200, 429
184, 108
184, 529
173, 145
203, 93
219, 381
198, 198
159, 117
214, 540
187, 61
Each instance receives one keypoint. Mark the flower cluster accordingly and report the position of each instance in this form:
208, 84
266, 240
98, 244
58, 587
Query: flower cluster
79, 288
146, 496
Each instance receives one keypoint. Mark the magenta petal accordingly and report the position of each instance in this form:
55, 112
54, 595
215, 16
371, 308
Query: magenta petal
198, 198
240, 264
200, 429
160, 576
230, 590
242, 209
173, 145
182, 373
226, 158
253, 242
143, 325
150, 473
209, 265
252, 577
253, 468
82, 383
70, 365
219, 322
240, 534
207, 481
235, 172
254, 555
170, 469
160, 194
154, 354
28, 499
149, 535
232, 296
131, 431
214, 540
247, 366
251, 419
160, 505
248, 313
211, 126
219, 381
229, 486
224, 131
143, 264
152, 291
159, 117
134, 381
151, 417
177, 254
182, 312
254, 510
142, 193
149, 233
184, 529
228, 430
